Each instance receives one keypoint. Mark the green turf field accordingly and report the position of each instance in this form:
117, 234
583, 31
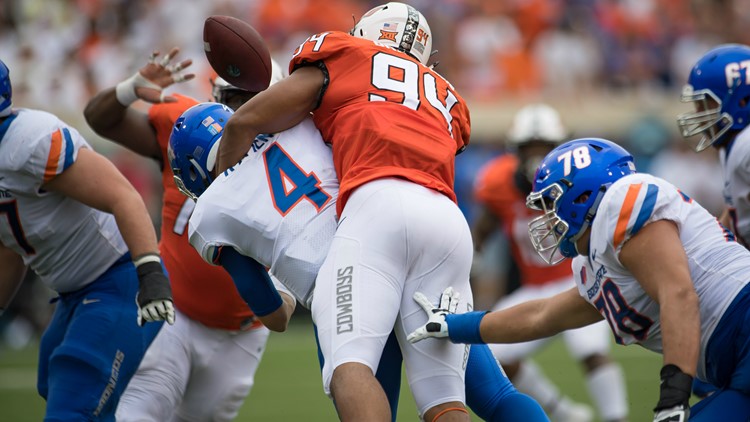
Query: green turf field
288, 383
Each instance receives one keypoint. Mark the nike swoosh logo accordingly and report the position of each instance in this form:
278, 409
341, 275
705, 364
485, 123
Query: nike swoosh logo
89, 301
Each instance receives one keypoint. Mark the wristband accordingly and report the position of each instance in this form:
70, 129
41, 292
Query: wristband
464, 328
149, 257
125, 90
675, 388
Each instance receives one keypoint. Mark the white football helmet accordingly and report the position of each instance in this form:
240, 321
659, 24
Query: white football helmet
537, 122
397, 25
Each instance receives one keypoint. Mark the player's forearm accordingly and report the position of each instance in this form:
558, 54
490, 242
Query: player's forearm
517, 324
257, 289
680, 326
537, 319
11, 276
235, 143
135, 224
103, 112
278, 108
513, 325
278, 320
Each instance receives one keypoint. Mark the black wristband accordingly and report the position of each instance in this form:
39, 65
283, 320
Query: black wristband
675, 388
152, 283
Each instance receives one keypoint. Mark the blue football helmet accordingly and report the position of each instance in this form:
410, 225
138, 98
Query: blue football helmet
719, 87
6, 91
193, 146
568, 187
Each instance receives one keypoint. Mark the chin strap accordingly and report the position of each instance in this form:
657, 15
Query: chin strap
589, 218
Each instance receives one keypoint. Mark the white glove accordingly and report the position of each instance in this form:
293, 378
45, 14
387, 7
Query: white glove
436, 326
157, 310
678, 413
154, 298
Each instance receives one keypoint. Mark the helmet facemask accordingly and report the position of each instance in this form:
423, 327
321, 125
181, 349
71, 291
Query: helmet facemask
708, 120
568, 188
548, 230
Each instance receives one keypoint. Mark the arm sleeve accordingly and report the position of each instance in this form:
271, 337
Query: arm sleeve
252, 281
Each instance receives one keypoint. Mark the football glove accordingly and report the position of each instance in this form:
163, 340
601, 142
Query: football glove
678, 413
674, 395
436, 326
154, 296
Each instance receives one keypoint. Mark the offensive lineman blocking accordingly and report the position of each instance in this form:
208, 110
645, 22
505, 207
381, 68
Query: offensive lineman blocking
647, 258
501, 189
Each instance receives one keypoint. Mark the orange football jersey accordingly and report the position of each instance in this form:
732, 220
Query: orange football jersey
496, 189
201, 291
384, 113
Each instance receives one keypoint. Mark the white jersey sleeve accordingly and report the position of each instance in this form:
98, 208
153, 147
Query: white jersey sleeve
278, 206
735, 161
64, 241
718, 264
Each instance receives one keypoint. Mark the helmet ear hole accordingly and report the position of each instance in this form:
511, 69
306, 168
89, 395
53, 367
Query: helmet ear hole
582, 198
193, 174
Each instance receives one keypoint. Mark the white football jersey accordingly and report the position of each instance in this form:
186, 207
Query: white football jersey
278, 206
718, 264
67, 243
736, 165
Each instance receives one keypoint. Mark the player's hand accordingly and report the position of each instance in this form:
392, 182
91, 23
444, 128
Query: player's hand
154, 296
679, 413
674, 395
436, 326
161, 73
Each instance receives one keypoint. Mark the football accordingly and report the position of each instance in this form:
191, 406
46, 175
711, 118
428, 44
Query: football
237, 52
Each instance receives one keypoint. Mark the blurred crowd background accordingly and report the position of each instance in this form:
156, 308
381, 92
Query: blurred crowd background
613, 68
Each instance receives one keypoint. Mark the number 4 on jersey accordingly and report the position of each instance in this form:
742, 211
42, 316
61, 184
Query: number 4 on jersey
289, 183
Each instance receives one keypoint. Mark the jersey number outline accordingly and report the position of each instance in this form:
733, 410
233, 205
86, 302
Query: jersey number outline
396, 74
10, 209
289, 183
620, 316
